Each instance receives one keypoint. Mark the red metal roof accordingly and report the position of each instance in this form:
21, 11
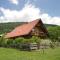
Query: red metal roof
22, 29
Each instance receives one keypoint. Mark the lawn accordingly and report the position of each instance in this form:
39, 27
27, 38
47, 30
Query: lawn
14, 54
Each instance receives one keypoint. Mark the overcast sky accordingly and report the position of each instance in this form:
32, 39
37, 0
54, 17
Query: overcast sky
28, 10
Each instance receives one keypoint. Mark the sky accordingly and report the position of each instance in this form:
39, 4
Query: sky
29, 10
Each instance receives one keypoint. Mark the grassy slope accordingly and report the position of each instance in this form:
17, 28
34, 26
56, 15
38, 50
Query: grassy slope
13, 54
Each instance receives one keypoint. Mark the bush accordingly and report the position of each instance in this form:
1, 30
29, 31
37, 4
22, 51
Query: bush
18, 42
52, 45
9, 42
2, 41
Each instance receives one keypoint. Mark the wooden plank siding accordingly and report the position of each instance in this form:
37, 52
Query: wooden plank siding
37, 31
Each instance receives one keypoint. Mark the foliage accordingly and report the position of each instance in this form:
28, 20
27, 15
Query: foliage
17, 43
52, 45
54, 33
7, 27
35, 39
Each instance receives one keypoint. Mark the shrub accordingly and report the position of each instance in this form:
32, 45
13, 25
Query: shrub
52, 45
2, 41
9, 42
18, 42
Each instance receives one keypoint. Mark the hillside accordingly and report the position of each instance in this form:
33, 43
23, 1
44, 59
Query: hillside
7, 27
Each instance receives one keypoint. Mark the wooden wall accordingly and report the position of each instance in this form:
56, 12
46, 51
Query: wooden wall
37, 31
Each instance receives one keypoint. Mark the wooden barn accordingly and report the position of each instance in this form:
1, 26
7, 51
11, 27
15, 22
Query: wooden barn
34, 28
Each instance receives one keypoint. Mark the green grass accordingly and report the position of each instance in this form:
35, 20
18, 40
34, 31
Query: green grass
13, 54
